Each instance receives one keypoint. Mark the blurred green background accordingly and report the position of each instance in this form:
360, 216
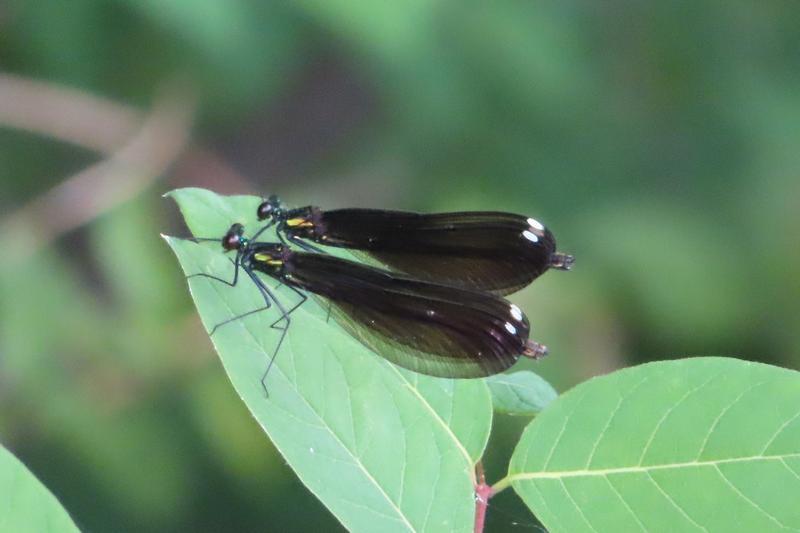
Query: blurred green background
660, 141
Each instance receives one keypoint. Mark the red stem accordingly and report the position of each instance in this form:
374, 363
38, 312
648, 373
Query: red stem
482, 494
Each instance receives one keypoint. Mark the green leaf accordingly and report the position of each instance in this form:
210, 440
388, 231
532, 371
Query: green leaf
383, 448
26, 504
520, 393
705, 444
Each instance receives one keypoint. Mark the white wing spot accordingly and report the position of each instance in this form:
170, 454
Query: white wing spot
515, 312
510, 328
530, 236
535, 224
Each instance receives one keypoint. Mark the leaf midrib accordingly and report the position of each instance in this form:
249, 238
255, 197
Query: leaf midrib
447, 429
644, 469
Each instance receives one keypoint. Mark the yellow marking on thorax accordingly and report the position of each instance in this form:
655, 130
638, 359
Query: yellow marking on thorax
299, 223
268, 259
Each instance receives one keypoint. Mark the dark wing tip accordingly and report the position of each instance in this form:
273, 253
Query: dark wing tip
534, 350
561, 261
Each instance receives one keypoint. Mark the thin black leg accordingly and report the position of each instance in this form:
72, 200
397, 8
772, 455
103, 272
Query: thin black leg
280, 234
238, 317
303, 299
215, 278
233, 283
265, 293
262, 230
305, 246
284, 317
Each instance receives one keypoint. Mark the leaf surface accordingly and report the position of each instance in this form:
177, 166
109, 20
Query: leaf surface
385, 449
26, 504
704, 444
520, 393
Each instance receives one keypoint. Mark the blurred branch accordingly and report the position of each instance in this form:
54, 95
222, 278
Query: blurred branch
83, 196
140, 148
66, 114
95, 123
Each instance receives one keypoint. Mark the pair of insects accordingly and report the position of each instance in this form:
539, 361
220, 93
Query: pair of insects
437, 308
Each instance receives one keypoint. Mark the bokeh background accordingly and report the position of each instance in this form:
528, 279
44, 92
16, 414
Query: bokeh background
659, 140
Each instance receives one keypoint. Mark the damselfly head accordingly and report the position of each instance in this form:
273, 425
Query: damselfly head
233, 239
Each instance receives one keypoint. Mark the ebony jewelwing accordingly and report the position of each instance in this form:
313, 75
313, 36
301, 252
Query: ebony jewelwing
430, 328
483, 250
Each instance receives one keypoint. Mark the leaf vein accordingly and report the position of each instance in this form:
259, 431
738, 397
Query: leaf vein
778, 432
614, 412
745, 498
438, 418
625, 503
547, 507
578, 507
667, 413
675, 504
563, 429
790, 469
727, 408
433, 490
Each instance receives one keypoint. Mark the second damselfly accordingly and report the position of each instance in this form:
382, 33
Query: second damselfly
430, 328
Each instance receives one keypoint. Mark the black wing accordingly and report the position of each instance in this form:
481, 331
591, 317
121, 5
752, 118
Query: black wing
429, 328
492, 251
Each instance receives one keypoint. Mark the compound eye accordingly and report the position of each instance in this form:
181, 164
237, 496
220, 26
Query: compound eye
264, 210
231, 241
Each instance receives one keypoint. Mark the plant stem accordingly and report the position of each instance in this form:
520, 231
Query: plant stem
501, 485
482, 494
